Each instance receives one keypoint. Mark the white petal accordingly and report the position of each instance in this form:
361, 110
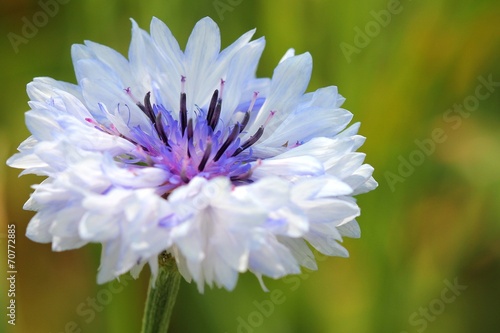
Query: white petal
225, 275
360, 176
167, 44
324, 237
369, 185
143, 57
42, 125
319, 187
300, 251
202, 49
271, 258
26, 159
350, 131
321, 148
38, 228
288, 167
309, 123
288, 54
42, 89
113, 60
350, 229
329, 210
346, 165
110, 255
290, 80
60, 244
134, 177
66, 222
327, 97
171, 65
94, 69
241, 69
98, 228
114, 98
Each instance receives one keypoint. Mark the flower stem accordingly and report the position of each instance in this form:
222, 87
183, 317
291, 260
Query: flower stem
161, 296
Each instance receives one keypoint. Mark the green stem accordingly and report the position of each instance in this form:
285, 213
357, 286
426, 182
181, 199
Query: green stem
161, 296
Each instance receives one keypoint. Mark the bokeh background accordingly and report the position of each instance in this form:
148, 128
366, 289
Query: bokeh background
436, 225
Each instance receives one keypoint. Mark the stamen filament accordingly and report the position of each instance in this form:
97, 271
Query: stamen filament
254, 99
183, 174
271, 115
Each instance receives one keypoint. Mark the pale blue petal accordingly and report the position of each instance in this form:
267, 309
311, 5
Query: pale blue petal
290, 80
350, 229
301, 251
241, 69
201, 53
288, 167
112, 59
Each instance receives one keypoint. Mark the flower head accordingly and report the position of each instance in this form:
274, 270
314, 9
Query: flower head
190, 153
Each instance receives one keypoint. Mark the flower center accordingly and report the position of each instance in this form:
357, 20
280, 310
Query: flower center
187, 147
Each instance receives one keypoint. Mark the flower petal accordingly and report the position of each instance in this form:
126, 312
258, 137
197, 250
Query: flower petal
290, 80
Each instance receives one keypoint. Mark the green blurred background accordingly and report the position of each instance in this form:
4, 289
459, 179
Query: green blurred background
436, 225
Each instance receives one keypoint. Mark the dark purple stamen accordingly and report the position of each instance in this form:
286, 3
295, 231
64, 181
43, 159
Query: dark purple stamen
230, 139
190, 133
147, 108
160, 129
183, 113
191, 144
205, 157
211, 108
247, 174
253, 139
190, 129
245, 120
215, 118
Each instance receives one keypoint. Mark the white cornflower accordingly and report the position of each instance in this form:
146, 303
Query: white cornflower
190, 153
